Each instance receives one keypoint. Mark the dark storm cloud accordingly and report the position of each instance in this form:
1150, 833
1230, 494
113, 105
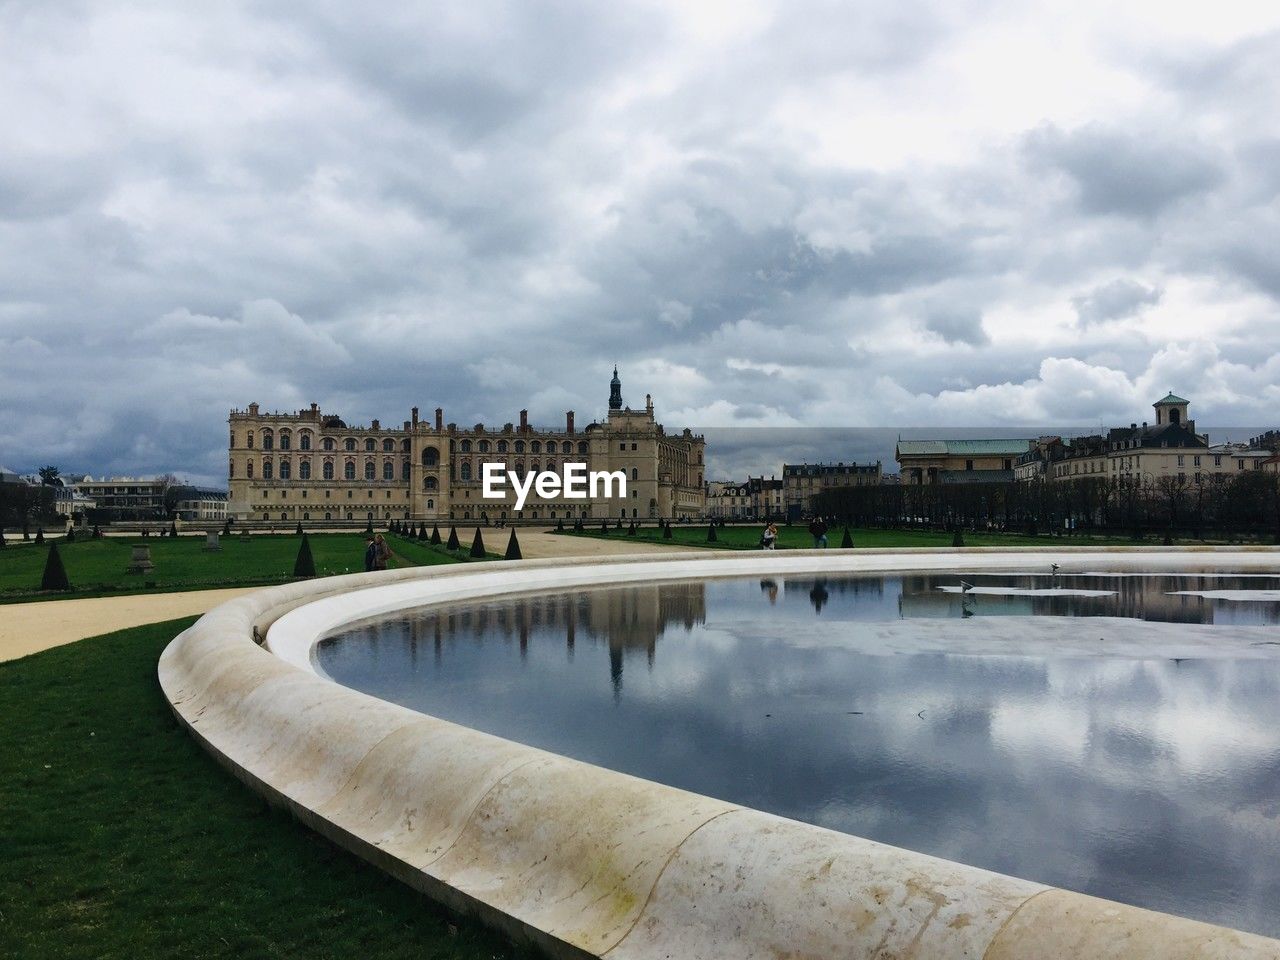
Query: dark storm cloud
787, 215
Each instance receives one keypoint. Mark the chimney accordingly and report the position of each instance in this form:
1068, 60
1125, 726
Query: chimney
568, 422
439, 418
253, 409
315, 411
377, 425
414, 415
524, 421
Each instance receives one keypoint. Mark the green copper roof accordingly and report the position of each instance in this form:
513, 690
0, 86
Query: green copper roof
1171, 399
979, 448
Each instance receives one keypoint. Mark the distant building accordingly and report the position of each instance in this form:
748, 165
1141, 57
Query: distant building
801, 482
200, 504
958, 461
755, 499
126, 498
305, 465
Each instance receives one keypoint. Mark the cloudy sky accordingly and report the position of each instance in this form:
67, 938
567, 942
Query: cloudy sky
768, 214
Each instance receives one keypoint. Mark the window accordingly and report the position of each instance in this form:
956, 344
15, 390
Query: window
1217, 459
388, 446
370, 471
304, 470
431, 483
502, 446
968, 464
484, 446
304, 440
430, 457
622, 446
286, 440
466, 446
535, 446
268, 442
635, 474
349, 470
327, 471
582, 447
349, 444
388, 470
519, 446
431, 504
328, 443
466, 470
1239, 464
404, 470
1195, 462
266, 470
633, 446
249, 443
286, 469
248, 469
369, 445
231, 469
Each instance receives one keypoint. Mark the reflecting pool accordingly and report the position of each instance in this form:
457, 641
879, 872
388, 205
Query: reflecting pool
1032, 724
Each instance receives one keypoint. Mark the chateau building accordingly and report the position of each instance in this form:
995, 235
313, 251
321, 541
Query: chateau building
307, 465
801, 482
958, 461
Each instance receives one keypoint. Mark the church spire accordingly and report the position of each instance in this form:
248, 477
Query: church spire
615, 391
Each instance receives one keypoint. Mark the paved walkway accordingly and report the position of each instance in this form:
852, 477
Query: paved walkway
27, 628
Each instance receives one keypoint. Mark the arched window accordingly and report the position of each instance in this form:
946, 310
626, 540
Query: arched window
502, 446
327, 470
466, 469
430, 457
286, 469
268, 441
349, 444
304, 470
328, 443
431, 504
431, 483
404, 445
304, 440
520, 467
349, 470
248, 469
306, 515
370, 471
266, 470
284, 514
388, 470
328, 516
249, 442
404, 470
286, 439
635, 474
519, 446
466, 446
231, 469
233, 438
582, 447
535, 447
369, 445
484, 446
534, 467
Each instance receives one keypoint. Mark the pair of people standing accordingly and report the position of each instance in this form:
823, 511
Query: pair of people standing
376, 553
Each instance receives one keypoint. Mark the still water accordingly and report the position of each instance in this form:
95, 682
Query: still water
1145, 779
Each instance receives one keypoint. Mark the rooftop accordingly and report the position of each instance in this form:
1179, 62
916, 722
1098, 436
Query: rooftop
962, 448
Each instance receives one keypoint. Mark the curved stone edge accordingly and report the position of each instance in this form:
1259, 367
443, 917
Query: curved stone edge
588, 862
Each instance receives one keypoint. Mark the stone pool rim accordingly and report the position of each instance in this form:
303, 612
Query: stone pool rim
587, 862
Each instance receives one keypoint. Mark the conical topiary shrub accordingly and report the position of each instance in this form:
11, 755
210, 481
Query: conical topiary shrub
513, 547
559, 527
305, 565
435, 534
631, 530
712, 537
477, 546
2, 540
226, 529
604, 526
173, 529
619, 526
666, 530
453, 539
297, 531
55, 574
1168, 540
957, 539
368, 527
847, 540
39, 534
97, 531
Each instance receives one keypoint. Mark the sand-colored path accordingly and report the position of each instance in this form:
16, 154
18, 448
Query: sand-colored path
27, 628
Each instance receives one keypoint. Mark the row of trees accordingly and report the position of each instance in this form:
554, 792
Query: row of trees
1232, 506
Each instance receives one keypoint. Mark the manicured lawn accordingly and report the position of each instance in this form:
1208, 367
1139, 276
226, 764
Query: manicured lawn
98, 566
797, 537
120, 837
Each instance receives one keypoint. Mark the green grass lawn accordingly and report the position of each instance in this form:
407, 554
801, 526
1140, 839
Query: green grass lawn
98, 566
120, 837
797, 538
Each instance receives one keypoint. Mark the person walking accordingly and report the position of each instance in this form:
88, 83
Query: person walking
382, 553
370, 553
769, 539
818, 530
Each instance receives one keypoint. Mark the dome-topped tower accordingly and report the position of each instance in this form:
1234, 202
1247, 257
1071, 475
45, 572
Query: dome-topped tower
615, 391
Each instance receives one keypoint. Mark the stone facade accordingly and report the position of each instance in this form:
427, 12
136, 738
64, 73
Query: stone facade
306, 465
801, 482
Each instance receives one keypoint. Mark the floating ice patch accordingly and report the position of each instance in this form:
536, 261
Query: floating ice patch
1030, 591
